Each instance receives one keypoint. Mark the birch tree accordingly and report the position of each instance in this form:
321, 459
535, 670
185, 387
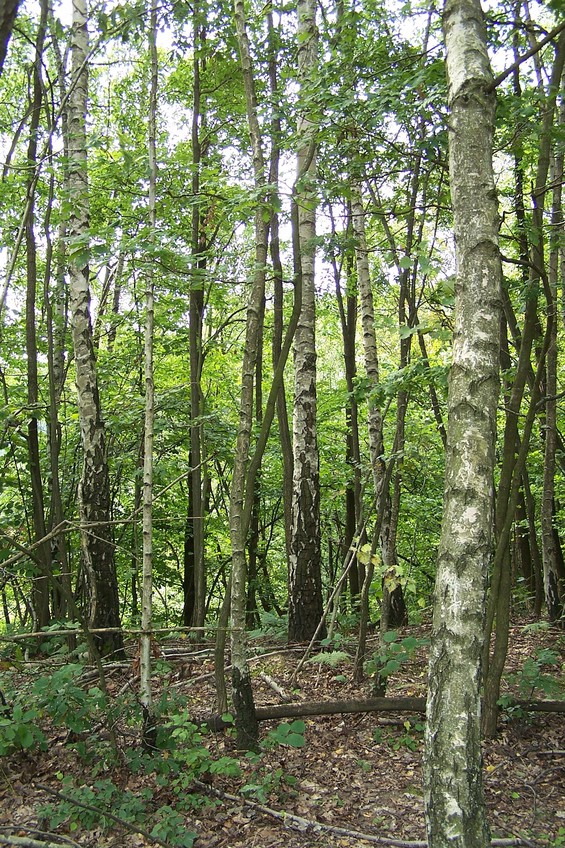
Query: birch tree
94, 489
146, 696
305, 583
454, 800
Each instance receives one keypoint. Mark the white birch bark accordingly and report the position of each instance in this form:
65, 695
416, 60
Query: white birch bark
147, 574
455, 811
305, 595
94, 489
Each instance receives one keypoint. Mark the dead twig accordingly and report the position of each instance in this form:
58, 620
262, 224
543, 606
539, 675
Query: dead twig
31, 842
301, 824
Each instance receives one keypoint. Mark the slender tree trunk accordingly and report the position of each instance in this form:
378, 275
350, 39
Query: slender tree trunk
455, 810
145, 693
94, 490
8, 13
348, 316
195, 524
56, 300
305, 606
241, 495
552, 555
40, 593
278, 291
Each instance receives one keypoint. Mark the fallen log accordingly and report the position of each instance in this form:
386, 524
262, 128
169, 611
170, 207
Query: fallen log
319, 708
369, 705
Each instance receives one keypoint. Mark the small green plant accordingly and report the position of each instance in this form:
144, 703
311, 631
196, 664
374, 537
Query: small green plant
330, 658
288, 734
19, 730
89, 807
532, 675
392, 654
411, 738
69, 705
183, 743
266, 782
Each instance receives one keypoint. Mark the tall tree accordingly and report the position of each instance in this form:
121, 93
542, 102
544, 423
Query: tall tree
146, 695
40, 583
241, 495
94, 490
305, 606
455, 809
195, 574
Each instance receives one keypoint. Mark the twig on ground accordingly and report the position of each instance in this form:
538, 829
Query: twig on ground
301, 824
30, 842
275, 686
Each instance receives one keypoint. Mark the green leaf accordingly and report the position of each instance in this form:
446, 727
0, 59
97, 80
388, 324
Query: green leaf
390, 636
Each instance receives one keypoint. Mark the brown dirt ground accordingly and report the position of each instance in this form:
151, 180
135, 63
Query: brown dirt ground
358, 772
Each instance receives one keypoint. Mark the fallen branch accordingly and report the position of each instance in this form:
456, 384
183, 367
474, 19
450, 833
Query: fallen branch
30, 842
275, 686
413, 705
370, 705
301, 824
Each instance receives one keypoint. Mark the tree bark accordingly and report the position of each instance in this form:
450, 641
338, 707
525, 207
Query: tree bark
8, 13
145, 693
40, 591
552, 555
454, 799
305, 607
195, 585
94, 489
241, 495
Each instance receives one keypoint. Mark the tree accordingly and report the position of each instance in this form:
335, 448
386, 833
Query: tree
305, 580
146, 695
41, 583
455, 810
94, 491
8, 13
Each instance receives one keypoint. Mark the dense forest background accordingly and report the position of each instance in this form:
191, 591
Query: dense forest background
239, 246
158, 242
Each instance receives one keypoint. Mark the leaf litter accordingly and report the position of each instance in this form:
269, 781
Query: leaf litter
356, 775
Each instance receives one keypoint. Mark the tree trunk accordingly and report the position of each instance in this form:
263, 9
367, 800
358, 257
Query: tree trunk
145, 693
94, 489
241, 495
8, 13
278, 291
195, 524
514, 453
454, 800
552, 555
40, 592
305, 607
348, 311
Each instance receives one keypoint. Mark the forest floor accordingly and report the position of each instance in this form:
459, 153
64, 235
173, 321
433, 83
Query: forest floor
357, 777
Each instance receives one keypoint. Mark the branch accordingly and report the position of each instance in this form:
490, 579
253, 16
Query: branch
301, 824
532, 52
31, 842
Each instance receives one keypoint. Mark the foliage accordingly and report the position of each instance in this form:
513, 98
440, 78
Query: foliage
266, 782
287, 734
393, 653
532, 675
89, 807
19, 729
